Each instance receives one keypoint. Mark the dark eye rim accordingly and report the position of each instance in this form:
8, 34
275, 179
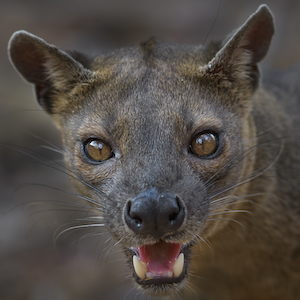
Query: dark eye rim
86, 154
217, 150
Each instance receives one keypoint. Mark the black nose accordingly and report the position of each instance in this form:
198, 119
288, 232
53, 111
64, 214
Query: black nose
154, 213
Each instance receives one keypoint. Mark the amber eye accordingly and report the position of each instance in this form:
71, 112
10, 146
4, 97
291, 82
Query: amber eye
204, 144
98, 150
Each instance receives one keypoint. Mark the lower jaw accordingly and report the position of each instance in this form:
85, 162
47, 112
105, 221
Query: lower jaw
159, 288
160, 281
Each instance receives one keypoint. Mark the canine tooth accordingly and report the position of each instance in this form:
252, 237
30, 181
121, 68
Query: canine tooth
139, 267
178, 265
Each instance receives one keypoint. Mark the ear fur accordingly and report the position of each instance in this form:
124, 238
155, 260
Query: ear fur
237, 60
48, 68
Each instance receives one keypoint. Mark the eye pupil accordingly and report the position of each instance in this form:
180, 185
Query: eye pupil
204, 144
98, 150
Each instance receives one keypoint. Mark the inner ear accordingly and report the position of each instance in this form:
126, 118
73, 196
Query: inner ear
48, 68
239, 56
27, 55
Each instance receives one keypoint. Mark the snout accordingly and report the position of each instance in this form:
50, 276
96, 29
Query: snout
158, 215
153, 213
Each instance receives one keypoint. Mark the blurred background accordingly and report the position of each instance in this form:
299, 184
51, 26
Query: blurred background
31, 267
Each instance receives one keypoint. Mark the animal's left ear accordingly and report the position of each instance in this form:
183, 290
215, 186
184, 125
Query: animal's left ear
238, 58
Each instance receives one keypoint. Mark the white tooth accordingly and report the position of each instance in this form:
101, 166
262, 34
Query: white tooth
148, 274
170, 274
139, 267
178, 265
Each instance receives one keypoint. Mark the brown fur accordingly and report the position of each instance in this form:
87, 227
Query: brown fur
147, 102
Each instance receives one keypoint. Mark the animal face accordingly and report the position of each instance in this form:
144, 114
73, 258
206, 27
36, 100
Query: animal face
156, 137
159, 166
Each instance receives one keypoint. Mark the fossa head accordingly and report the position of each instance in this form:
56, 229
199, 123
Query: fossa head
155, 134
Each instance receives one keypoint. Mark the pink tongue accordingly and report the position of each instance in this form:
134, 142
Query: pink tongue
159, 257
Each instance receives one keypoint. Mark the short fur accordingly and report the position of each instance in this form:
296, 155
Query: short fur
148, 102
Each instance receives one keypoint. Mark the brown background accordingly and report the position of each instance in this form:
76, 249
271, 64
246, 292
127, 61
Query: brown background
29, 266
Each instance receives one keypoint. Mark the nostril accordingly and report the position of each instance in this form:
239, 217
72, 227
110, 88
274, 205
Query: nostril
135, 215
128, 208
176, 217
177, 208
173, 217
154, 213
132, 214
138, 221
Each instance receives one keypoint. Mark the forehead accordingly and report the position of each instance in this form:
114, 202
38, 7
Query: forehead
152, 109
150, 85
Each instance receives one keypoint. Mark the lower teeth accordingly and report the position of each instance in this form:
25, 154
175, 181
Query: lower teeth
152, 275
142, 271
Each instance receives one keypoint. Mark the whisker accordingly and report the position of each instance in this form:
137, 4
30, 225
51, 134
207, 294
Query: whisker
114, 245
228, 165
35, 223
192, 286
115, 261
227, 219
88, 199
250, 176
236, 198
230, 211
53, 149
70, 174
217, 203
128, 293
79, 227
193, 275
209, 245
52, 146
236, 184
86, 236
243, 155
101, 256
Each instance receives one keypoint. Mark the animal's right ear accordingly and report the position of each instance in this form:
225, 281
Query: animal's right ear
51, 70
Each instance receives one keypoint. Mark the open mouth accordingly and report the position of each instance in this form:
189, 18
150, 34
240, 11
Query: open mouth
159, 263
